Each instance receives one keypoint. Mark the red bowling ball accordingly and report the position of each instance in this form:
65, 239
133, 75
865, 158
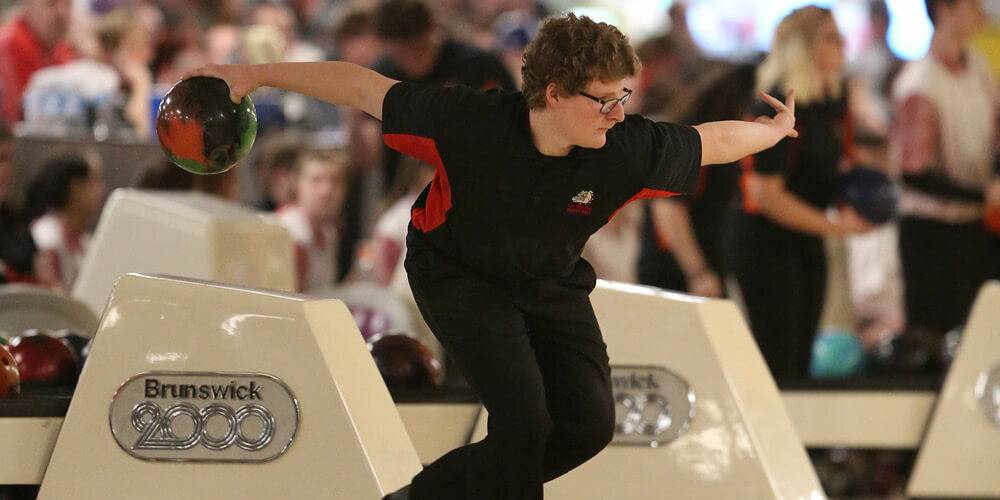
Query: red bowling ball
43, 359
10, 377
404, 362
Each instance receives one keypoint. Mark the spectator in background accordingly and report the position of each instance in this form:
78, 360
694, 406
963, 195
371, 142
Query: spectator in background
357, 42
17, 250
779, 259
314, 219
275, 170
164, 175
511, 32
274, 36
388, 242
873, 72
683, 238
109, 93
613, 250
64, 198
355, 39
179, 48
943, 142
32, 40
418, 51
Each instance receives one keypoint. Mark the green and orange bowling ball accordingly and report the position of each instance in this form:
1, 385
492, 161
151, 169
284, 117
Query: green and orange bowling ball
201, 129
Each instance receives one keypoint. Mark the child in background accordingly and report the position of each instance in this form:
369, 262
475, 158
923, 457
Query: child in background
314, 219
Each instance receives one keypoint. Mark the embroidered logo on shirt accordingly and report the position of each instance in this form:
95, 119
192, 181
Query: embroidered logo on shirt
581, 203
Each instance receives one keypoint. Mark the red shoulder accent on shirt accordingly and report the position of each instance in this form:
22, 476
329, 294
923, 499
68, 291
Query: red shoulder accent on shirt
646, 193
747, 166
435, 209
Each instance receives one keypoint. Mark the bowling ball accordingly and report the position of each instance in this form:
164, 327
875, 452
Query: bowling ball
404, 362
913, 352
836, 354
10, 377
201, 129
43, 359
870, 193
79, 344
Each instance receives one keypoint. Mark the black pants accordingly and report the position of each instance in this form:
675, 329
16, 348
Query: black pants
538, 362
943, 267
782, 278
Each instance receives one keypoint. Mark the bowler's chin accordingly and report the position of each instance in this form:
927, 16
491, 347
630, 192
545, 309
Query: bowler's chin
599, 140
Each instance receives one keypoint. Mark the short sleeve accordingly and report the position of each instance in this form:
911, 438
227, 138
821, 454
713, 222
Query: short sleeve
674, 156
419, 113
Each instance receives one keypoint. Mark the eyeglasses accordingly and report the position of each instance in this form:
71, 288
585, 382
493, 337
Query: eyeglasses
608, 104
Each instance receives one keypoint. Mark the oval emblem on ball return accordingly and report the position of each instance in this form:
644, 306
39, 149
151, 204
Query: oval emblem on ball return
653, 406
204, 417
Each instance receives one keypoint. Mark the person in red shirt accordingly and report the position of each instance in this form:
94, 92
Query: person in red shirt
32, 40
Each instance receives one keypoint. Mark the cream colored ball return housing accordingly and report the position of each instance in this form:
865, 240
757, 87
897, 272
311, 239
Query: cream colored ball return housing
152, 405
200, 390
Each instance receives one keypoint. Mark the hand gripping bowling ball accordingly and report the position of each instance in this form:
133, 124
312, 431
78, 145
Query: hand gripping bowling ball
10, 377
43, 359
404, 362
201, 129
870, 193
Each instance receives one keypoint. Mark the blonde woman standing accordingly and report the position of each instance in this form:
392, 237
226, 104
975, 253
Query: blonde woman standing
778, 257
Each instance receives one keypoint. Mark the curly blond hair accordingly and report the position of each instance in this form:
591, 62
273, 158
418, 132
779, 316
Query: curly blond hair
571, 52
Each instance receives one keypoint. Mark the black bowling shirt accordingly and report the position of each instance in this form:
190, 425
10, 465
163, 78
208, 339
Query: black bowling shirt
809, 163
504, 210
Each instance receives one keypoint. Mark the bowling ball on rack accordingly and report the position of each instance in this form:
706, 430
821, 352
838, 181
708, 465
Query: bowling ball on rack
201, 129
10, 377
836, 354
915, 351
404, 362
43, 359
870, 193
79, 344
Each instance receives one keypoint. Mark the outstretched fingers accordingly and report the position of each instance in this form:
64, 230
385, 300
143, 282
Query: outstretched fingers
779, 106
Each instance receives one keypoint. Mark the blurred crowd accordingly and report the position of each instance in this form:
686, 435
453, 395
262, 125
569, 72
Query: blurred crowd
757, 231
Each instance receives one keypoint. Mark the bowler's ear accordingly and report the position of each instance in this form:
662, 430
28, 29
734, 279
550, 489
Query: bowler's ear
553, 94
